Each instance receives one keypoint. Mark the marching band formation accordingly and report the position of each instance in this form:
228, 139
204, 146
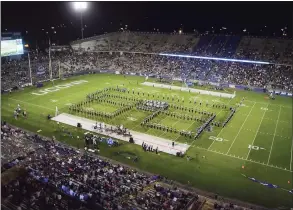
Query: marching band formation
150, 105
155, 106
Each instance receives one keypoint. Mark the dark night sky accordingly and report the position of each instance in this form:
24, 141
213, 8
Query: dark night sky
145, 16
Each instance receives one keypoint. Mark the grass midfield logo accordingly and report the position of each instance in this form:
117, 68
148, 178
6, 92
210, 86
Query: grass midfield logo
58, 87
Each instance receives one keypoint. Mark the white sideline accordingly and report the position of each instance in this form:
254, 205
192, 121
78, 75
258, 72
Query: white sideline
163, 145
205, 92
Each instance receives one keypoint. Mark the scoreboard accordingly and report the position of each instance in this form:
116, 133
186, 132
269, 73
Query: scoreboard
11, 47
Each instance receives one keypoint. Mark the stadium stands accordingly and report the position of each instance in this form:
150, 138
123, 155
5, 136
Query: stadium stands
253, 48
137, 42
59, 177
64, 172
276, 76
137, 53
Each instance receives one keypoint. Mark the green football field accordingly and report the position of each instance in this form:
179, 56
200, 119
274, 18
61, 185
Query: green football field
257, 142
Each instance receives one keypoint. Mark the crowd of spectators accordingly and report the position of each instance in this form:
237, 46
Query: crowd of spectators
255, 75
16, 73
95, 57
239, 47
138, 42
59, 176
14, 144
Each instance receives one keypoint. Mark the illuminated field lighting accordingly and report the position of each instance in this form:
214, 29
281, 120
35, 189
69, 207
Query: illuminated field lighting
79, 5
217, 59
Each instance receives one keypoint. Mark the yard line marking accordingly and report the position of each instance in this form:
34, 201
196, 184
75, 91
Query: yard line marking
187, 130
279, 120
270, 104
291, 155
149, 128
220, 130
241, 128
241, 158
217, 136
31, 104
171, 125
257, 132
274, 135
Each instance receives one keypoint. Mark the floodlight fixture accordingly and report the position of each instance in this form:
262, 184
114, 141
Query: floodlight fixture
80, 6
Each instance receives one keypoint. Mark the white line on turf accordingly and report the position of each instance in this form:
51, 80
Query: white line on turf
270, 104
257, 132
62, 97
274, 135
133, 128
69, 95
217, 135
31, 104
187, 130
270, 134
197, 146
240, 129
282, 121
233, 156
171, 125
291, 155
220, 130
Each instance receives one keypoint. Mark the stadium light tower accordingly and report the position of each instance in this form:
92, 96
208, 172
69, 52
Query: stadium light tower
80, 7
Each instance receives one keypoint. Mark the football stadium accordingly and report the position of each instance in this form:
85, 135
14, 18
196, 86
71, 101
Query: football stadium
144, 120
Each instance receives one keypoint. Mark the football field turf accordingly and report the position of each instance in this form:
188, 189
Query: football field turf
257, 142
